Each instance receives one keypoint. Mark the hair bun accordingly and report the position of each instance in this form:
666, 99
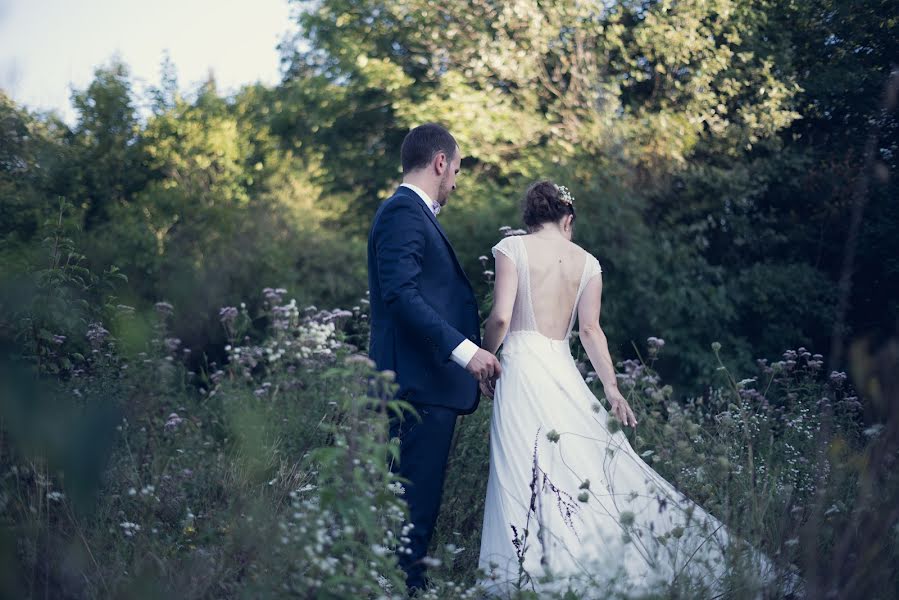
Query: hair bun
543, 204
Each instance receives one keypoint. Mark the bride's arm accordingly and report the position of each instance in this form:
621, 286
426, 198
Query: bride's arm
595, 343
504, 289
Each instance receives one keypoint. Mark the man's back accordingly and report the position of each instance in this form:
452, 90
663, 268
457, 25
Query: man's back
422, 305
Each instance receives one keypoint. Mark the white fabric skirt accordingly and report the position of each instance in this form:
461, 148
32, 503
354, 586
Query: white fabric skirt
569, 503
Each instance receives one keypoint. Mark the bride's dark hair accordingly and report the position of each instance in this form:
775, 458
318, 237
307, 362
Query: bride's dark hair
542, 204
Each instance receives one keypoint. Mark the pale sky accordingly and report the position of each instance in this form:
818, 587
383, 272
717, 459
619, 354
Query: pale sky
47, 47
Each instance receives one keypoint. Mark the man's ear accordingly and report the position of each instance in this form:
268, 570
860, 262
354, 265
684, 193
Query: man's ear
440, 163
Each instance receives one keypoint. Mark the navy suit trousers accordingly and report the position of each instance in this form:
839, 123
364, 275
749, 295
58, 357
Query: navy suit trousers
424, 449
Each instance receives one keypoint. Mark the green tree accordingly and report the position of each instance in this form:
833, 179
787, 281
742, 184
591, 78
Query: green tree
107, 167
620, 101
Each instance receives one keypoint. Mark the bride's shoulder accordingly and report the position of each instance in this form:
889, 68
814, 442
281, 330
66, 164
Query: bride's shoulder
507, 246
580, 249
506, 242
592, 263
513, 241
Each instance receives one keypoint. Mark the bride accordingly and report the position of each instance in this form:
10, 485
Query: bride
569, 503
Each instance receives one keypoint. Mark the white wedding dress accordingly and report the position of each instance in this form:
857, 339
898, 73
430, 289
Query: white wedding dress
569, 502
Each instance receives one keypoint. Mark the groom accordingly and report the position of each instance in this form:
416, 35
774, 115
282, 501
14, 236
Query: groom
424, 326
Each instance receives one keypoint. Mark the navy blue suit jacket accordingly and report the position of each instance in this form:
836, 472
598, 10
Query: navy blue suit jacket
422, 305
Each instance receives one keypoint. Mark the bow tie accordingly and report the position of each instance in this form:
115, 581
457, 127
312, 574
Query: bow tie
435, 208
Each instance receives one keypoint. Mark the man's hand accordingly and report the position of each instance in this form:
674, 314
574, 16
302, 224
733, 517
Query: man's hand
483, 365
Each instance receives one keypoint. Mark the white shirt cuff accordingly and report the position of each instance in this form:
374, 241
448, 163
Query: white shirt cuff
464, 352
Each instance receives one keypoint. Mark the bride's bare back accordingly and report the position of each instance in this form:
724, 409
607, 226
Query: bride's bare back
551, 274
555, 269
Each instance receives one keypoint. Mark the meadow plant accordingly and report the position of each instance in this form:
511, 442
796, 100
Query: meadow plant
124, 471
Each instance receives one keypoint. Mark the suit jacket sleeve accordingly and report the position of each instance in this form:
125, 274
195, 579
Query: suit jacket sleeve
399, 241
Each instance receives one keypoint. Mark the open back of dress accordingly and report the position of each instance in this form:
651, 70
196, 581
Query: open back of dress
551, 278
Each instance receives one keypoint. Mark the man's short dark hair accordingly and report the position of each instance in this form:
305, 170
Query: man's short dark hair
423, 143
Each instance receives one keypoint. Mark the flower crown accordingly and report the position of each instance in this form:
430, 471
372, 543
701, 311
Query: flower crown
564, 195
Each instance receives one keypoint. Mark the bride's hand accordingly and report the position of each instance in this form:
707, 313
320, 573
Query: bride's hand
488, 386
621, 409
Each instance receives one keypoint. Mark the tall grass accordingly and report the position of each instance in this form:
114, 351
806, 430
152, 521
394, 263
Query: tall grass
125, 474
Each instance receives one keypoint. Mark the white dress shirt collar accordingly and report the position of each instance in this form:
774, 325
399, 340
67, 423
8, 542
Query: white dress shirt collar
434, 207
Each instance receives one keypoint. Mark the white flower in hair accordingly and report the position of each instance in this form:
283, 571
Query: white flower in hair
564, 195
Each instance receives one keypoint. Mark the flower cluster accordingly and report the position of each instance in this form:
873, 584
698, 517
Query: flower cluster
324, 536
298, 339
508, 231
96, 334
565, 195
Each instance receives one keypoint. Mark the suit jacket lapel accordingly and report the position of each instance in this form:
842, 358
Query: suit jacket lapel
433, 219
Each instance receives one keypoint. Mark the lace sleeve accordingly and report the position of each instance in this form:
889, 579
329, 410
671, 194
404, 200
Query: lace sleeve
505, 246
593, 267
